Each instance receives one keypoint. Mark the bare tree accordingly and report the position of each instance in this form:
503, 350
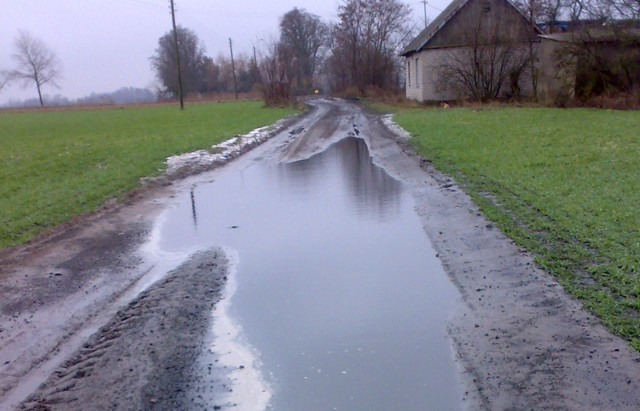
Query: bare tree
538, 11
225, 73
218, 75
272, 69
607, 10
246, 71
489, 66
366, 41
36, 63
4, 79
302, 37
551, 10
627, 9
601, 50
604, 61
543, 11
192, 62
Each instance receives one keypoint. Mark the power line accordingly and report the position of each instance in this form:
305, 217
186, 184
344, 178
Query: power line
143, 4
226, 12
217, 12
205, 27
426, 3
233, 69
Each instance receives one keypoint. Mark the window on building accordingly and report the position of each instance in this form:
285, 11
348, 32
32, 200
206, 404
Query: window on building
486, 6
417, 82
408, 72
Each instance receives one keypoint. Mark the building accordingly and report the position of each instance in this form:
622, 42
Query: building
474, 48
588, 62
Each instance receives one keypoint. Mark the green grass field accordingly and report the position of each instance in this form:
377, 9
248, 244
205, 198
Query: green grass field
59, 164
563, 183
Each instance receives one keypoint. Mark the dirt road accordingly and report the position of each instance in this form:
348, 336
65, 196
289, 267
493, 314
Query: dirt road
93, 318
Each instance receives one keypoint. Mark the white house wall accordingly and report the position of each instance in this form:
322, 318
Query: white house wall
430, 85
413, 80
433, 84
437, 87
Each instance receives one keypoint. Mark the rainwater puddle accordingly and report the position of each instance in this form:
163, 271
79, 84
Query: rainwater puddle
337, 286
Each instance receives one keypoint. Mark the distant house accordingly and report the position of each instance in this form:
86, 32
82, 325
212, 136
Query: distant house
473, 46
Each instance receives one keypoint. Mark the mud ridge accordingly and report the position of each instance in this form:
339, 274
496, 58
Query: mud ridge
143, 358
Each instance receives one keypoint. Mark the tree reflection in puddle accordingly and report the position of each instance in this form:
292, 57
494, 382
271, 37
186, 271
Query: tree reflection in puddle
338, 287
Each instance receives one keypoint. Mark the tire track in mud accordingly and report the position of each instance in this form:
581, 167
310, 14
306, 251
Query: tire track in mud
143, 359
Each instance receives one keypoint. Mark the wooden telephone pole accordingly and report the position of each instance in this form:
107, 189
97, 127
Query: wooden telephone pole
233, 69
175, 41
424, 3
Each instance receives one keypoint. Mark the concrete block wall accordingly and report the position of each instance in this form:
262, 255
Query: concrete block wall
435, 86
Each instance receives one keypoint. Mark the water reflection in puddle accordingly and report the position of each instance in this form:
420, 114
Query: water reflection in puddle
338, 287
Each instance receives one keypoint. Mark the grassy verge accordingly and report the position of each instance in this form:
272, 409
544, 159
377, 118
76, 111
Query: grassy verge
56, 165
563, 183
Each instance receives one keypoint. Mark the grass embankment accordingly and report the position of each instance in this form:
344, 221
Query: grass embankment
564, 184
56, 165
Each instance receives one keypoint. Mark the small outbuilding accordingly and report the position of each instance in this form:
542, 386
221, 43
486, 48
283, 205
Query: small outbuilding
588, 62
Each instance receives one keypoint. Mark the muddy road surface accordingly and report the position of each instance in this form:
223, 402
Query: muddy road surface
327, 268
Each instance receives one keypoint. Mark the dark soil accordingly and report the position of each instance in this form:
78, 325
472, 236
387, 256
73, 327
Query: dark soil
152, 343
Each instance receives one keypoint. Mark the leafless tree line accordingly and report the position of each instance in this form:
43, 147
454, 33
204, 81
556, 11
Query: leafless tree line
200, 73
289, 64
357, 52
308, 54
365, 43
273, 73
548, 11
302, 43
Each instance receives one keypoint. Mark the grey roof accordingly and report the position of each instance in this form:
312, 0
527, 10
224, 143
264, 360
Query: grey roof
602, 34
438, 23
427, 34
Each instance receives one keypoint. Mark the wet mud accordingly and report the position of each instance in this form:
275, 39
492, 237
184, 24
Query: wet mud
339, 291
522, 342
62, 287
71, 301
145, 358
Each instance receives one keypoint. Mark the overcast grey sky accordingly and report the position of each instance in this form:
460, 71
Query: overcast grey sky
106, 44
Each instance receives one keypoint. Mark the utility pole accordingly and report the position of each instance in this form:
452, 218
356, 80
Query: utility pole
255, 58
424, 3
175, 43
256, 74
233, 69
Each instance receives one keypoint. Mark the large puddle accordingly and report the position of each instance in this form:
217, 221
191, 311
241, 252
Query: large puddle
337, 286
